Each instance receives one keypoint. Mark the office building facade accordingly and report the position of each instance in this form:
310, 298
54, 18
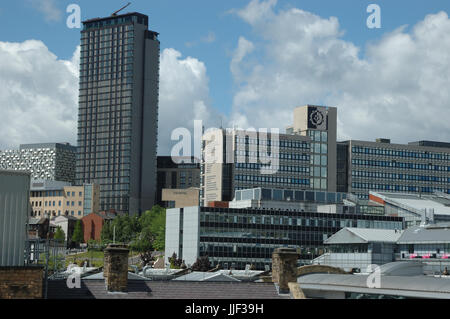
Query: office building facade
52, 199
118, 111
49, 161
418, 167
237, 237
178, 173
319, 123
245, 159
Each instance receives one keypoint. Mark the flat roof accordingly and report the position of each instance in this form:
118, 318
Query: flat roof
405, 286
115, 16
428, 234
440, 205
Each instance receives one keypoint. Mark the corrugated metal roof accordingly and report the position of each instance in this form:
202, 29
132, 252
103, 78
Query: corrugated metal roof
350, 235
438, 233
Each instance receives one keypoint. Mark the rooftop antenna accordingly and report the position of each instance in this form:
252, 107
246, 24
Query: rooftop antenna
115, 13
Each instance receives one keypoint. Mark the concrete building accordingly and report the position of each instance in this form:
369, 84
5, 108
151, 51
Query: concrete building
303, 158
50, 161
52, 199
14, 210
234, 238
118, 111
291, 200
320, 124
178, 198
354, 248
235, 160
430, 242
358, 248
177, 173
418, 167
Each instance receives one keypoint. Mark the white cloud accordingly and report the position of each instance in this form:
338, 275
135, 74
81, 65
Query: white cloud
184, 97
399, 89
38, 95
48, 8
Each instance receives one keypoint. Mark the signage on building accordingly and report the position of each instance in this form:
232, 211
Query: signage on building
317, 118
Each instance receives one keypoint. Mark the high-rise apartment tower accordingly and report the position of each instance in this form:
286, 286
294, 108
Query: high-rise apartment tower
118, 111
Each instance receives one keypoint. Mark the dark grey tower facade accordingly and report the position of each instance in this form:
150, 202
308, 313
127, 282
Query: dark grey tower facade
118, 111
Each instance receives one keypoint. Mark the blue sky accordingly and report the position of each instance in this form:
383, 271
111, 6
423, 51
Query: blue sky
186, 25
243, 63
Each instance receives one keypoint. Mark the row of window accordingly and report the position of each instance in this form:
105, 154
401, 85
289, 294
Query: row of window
282, 168
401, 165
107, 41
53, 203
101, 128
101, 148
106, 116
400, 153
254, 156
272, 180
105, 141
106, 134
106, 89
318, 136
53, 213
322, 222
104, 83
113, 71
398, 188
105, 77
115, 25
409, 177
283, 143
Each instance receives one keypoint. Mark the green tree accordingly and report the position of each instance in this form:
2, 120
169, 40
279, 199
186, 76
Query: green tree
77, 236
59, 234
153, 230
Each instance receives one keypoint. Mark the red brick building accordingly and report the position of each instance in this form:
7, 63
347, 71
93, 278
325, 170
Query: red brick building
93, 224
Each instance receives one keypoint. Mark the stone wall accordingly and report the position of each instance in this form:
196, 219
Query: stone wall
21, 282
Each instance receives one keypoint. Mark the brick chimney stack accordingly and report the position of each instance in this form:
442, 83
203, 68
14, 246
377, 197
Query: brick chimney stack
284, 267
115, 268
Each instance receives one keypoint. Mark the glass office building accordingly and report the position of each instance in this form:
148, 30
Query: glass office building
237, 237
118, 111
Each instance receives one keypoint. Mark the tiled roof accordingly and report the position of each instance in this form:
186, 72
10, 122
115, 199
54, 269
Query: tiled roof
95, 289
